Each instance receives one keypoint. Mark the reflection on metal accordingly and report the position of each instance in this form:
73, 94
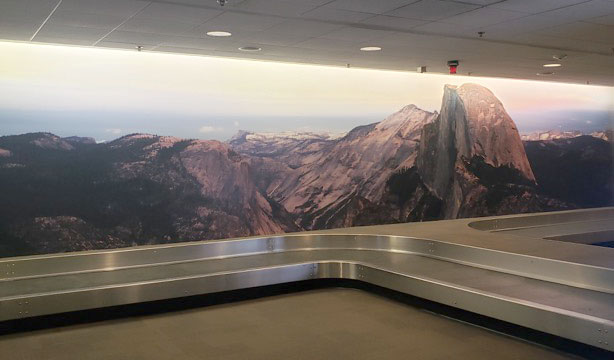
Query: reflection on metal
568, 299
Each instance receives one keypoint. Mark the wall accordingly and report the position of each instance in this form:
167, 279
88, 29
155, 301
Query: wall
109, 148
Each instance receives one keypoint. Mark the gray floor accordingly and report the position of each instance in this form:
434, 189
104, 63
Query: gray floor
352, 325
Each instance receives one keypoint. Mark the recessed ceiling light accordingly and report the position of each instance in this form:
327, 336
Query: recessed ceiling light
552, 65
219, 33
370, 48
250, 48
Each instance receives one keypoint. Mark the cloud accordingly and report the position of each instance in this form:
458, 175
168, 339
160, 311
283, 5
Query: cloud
113, 131
236, 123
209, 129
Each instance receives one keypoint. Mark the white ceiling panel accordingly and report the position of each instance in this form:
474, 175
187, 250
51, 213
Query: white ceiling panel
200, 3
369, 6
275, 38
70, 32
25, 11
582, 11
519, 34
192, 42
79, 19
432, 10
535, 6
323, 13
304, 28
582, 31
355, 34
231, 21
314, 3
521, 25
16, 31
277, 7
393, 22
184, 50
603, 20
481, 2
123, 8
443, 28
157, 26
120, 45
179, 13
63, 41
329, 44
138, 38
484, 17
561, 45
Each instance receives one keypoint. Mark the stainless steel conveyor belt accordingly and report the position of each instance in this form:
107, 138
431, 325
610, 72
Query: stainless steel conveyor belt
573, 300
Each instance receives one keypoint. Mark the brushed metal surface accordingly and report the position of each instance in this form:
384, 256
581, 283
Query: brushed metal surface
568, 299
573, 274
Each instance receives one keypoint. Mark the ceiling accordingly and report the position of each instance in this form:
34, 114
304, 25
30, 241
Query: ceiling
519, 35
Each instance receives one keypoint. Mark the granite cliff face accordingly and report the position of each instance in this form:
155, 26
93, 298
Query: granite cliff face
294, 149
139, 189
352, 172
472, 130
557, 134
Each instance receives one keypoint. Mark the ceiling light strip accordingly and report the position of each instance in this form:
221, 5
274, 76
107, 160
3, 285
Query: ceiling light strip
46, 19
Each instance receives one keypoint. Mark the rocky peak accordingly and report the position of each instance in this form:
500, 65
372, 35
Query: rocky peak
239, 137
133, 137
472, 128
407, 120
80, 140
50, 141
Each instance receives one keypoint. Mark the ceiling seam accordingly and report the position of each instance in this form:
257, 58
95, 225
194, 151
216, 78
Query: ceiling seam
122, 23
46, 19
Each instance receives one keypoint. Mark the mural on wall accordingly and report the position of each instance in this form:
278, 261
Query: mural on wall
466, 158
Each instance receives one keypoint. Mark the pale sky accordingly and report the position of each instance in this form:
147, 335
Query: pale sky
107, 93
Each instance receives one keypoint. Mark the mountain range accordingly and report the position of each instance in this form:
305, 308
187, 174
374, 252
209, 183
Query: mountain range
556, 134
468, 159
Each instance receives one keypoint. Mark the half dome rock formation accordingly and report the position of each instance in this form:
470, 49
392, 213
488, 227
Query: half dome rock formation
471, 144
492, 132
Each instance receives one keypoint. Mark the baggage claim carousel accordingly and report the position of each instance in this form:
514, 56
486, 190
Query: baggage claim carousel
535, 277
